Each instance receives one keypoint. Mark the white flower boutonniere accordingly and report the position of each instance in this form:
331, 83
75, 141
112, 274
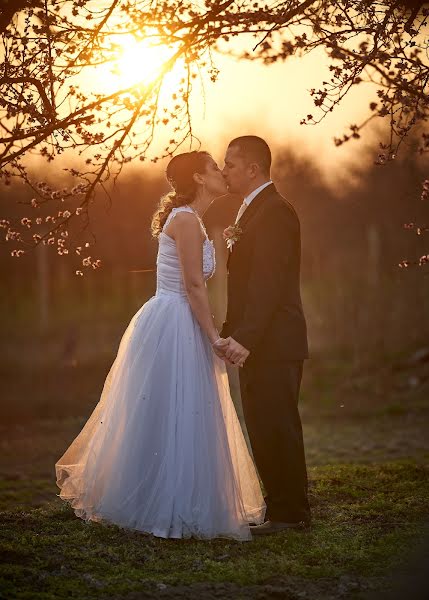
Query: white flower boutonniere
231, 235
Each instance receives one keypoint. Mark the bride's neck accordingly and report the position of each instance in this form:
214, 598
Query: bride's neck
201, 204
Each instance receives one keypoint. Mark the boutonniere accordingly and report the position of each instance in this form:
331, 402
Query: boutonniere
231, 235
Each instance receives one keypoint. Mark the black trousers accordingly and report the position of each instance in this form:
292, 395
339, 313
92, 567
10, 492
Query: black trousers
269, 392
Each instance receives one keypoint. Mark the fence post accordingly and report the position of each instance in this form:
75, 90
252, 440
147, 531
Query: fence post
42, 268
375, 320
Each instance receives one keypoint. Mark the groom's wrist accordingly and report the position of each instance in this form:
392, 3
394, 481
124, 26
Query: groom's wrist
242, 339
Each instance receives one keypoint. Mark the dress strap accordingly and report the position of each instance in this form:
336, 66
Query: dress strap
184, 208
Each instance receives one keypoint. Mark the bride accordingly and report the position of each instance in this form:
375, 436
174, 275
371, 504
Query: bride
163, 451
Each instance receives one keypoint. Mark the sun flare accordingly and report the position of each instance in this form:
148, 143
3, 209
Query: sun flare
139, 62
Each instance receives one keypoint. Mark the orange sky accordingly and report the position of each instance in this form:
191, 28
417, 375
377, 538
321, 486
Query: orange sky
269, 101
249, 97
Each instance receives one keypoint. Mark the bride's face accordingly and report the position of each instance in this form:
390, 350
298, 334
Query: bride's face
213, 179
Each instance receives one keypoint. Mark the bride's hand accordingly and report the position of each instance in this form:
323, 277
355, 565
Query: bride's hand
235, 353
220, 346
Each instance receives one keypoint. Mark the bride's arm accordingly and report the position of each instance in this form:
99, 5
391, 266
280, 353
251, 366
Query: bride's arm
189, 244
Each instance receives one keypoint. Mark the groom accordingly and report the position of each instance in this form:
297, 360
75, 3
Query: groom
266, 330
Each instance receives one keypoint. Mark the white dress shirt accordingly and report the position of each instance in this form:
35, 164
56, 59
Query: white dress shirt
248, 199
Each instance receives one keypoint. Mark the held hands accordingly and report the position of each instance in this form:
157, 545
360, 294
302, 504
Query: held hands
231, 351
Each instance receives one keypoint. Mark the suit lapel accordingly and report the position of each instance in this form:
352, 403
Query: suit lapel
253, 209
255, 205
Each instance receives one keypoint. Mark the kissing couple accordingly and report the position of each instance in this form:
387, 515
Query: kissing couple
163, 451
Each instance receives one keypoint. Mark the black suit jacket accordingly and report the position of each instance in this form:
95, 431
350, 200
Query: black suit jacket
264, 311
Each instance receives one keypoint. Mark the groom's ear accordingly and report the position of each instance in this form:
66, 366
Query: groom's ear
253, 169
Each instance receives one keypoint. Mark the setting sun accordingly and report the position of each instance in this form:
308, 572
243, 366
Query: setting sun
138, 62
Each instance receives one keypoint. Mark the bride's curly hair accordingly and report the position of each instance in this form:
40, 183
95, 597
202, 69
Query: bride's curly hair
180, 171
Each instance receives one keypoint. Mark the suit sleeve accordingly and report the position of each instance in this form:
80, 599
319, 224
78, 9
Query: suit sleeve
272, 252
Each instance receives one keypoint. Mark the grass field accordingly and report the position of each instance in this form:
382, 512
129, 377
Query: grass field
367, 450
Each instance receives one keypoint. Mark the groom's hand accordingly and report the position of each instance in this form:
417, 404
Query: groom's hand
235, 353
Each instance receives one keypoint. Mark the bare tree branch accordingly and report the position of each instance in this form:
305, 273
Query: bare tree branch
52, 50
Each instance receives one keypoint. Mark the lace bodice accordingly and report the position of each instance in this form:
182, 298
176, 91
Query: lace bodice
169, 274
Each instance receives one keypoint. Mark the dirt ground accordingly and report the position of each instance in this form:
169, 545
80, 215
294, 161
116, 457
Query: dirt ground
351, 416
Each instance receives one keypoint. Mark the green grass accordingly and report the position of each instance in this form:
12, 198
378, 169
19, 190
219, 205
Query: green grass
368, 454
366, 519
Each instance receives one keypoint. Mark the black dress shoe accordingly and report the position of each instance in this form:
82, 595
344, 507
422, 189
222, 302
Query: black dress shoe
270, 527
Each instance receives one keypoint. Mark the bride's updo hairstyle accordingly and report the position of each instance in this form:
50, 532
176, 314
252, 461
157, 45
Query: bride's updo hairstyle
180, 172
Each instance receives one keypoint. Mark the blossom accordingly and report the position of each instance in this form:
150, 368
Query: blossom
425, 191
12, 235
404, 264
78, 189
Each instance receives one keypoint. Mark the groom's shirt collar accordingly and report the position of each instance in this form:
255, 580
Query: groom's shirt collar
248, 199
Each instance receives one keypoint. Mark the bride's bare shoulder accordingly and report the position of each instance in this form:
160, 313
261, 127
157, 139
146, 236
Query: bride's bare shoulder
185, 223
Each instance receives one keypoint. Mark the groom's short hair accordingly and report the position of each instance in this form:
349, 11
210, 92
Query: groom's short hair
255, 149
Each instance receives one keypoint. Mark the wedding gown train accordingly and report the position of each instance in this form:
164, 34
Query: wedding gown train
163, 451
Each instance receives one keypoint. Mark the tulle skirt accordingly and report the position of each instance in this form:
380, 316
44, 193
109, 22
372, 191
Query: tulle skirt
163, 451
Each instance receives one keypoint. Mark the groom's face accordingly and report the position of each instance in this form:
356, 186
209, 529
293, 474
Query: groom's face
236, 171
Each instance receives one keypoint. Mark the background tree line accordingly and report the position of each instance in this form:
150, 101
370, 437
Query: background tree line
357, 298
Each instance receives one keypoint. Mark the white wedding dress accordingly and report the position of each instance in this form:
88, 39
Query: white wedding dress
163, 451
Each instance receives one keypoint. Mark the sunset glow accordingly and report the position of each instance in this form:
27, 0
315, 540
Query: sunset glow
140, 61
137, 62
